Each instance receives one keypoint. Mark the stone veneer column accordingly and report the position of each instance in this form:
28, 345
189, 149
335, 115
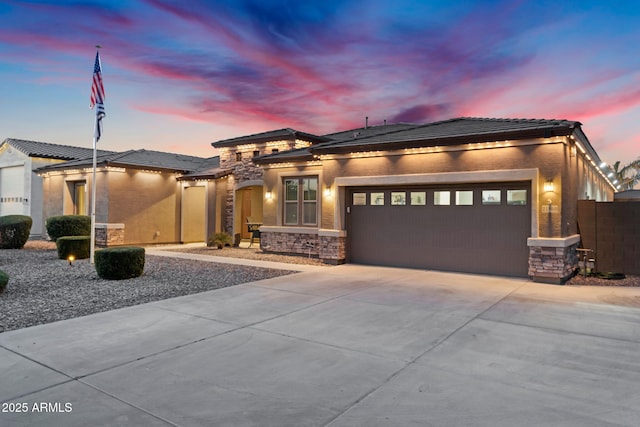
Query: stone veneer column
242, 170
332, 246
228, 206
109, 235
553, 260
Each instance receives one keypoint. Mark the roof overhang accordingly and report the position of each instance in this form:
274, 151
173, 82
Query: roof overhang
355, 146
216, 174
283, 135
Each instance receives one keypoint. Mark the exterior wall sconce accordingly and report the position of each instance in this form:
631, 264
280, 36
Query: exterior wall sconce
268, 195
548, 186
328, 192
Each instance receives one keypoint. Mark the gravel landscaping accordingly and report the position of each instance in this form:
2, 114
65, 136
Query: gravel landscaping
580, 280
43, 288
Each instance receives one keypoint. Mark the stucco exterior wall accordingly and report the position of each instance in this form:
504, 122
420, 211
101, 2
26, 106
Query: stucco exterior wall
554, 160
36, 198
548, 158
147, 203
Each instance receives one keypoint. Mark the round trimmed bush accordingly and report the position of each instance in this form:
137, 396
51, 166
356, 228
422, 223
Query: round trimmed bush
68, 225
14, 231
4, 279
77, 246
118, 263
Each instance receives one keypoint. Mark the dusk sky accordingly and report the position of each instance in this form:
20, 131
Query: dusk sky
179, 75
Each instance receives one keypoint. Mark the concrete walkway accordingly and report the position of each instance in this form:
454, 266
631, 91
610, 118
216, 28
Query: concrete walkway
166, 251
343, 346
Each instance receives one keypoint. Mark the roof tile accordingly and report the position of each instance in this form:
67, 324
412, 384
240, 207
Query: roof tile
51, 151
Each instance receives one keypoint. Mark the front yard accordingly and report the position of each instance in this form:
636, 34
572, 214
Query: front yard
43, 288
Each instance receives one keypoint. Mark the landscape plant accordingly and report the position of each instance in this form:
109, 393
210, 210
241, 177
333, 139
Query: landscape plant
118, 263
220, 240
4, 279
68, 225
14, 231
76, 246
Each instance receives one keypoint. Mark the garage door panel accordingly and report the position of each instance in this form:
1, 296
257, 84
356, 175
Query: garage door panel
12, 190
490, 239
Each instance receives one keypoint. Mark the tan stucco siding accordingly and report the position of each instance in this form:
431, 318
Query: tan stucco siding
583, 181
547, 158
147, 203
271, 208
551, 158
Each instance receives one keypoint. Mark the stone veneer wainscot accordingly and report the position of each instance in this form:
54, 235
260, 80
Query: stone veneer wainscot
328, 245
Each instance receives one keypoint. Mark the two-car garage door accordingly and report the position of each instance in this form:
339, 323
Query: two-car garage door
475, 228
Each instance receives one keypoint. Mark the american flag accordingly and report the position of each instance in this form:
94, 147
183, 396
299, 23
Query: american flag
97, 97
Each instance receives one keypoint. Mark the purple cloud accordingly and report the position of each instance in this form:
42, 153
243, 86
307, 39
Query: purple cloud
421, 113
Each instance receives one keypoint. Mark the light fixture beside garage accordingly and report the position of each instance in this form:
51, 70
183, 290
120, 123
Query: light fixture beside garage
548, 186
268, 195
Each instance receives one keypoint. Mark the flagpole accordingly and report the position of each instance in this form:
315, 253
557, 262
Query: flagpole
93, 202
99, 91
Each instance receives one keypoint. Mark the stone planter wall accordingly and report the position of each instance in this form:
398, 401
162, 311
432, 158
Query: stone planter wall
553, 260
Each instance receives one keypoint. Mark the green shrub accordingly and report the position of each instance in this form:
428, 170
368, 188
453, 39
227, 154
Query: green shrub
14, 231
220, 240
4, 279
68, 225
124, 262
77, 246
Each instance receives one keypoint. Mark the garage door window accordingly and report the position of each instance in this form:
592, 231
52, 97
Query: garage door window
490, 197
398, 198
377, 199
442, 198
418, 198
516, 197
464, 198
359, 199
301, 201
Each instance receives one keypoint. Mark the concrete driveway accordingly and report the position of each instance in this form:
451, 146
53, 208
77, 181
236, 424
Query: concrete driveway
343, 346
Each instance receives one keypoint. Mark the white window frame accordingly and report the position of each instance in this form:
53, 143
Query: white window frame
300, 201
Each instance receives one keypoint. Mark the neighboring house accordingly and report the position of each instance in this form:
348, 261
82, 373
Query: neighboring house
20, 187
494, 196
140, 198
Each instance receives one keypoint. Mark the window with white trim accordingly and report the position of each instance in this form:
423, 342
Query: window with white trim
301, 201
